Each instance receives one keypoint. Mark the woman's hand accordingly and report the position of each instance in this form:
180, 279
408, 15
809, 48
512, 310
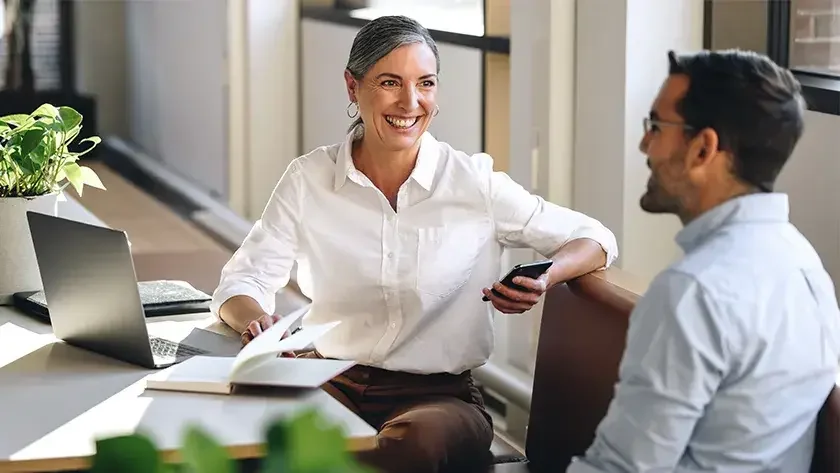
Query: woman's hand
260, 325
518, 301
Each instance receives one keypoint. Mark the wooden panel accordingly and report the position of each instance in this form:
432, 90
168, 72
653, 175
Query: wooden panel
497, 18
497, 109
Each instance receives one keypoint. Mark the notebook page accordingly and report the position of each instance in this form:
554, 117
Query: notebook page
296, 342
267, 341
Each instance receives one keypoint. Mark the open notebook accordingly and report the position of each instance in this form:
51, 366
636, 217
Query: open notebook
257, 364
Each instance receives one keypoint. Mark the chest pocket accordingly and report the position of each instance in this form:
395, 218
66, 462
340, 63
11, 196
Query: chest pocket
446, 256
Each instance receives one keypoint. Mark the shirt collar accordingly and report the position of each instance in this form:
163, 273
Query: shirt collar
424, 168
765, 207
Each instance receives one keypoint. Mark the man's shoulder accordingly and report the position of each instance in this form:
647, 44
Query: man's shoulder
748, 258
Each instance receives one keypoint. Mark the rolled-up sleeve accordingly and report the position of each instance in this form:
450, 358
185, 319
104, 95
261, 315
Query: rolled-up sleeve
524, 219
676, 356
262, 265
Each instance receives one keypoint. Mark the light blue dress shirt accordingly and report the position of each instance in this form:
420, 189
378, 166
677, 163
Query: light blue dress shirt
730, 354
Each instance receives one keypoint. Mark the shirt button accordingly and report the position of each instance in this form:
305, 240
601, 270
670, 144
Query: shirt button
393, 325
390, 255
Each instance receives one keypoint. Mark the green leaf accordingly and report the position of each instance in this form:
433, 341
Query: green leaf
95, 140
90, 178
70, 117
17, 119
72, 133
126, 454
74, 176
276, 458
61, 175
46, 110
202, 454
314, 446
31, 139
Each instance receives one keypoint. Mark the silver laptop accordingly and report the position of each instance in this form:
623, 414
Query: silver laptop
92, 295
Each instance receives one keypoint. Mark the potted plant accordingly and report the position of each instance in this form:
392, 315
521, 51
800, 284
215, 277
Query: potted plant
302, 444
36, 164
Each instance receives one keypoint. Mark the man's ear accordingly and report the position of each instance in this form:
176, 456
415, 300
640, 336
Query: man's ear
351, 86
703, 147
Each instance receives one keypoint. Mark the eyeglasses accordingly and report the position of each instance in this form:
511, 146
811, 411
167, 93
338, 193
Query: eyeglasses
649, 123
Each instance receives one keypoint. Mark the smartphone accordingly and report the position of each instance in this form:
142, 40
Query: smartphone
529, 270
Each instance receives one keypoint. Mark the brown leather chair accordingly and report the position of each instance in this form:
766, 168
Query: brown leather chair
827, 445
582, 334
581, 341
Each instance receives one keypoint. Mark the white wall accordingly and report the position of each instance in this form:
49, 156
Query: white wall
541, 139
177, 93
324, 50
272, 96
621, 62
811, 180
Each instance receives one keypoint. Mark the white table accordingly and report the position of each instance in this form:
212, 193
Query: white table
56, 400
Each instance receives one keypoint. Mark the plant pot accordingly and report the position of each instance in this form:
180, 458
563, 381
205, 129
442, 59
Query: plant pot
18, 265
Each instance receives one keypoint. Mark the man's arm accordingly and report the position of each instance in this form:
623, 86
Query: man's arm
677, 353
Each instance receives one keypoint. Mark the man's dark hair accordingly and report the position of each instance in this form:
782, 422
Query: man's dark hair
755, 106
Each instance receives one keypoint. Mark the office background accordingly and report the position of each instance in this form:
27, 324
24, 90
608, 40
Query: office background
213, 98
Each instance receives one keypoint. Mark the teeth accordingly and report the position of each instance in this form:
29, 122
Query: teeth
401, 122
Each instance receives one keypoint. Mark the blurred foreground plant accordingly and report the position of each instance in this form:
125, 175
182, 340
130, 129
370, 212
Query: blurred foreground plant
302, 444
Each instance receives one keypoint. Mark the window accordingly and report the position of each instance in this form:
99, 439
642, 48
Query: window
457, 16
464, 17
46, 46
815, 36
803, 35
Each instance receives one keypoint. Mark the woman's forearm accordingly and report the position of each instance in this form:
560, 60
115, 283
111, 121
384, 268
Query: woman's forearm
239, 311
576, 258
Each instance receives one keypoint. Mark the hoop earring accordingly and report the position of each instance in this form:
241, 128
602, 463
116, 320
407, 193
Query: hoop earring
355, 112
437, 110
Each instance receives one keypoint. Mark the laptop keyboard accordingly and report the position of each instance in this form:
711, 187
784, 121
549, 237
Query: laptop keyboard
169, 349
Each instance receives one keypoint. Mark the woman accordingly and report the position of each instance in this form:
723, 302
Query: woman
398, 236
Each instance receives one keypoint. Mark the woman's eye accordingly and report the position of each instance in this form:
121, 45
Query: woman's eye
389, 83
428, 83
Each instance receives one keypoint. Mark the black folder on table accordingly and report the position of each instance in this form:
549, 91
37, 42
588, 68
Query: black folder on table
159, 298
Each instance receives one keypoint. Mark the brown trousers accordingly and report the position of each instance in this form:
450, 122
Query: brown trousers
426, 423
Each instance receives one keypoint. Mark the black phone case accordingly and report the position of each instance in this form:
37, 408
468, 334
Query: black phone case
531, 270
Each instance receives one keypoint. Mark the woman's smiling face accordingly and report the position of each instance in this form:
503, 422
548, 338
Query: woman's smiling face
397, 97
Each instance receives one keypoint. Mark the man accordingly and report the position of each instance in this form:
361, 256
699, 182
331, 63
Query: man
734, 348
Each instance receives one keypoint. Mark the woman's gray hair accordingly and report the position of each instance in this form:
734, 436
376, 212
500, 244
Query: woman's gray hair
381, 36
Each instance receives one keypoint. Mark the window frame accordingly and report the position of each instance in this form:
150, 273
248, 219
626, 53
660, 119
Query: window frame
821, 91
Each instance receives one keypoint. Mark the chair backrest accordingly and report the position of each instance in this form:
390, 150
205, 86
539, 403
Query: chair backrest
582, 334
827, 445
